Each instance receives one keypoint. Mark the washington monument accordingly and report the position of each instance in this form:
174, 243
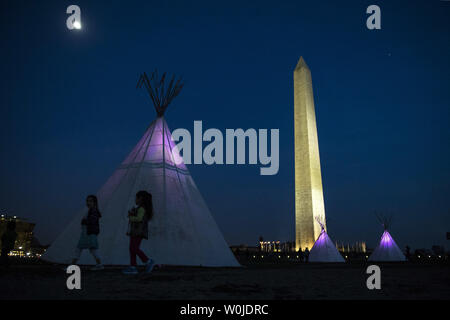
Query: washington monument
308, 179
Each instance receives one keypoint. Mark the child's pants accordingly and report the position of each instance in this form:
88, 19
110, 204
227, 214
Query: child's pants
94, 253
135, 243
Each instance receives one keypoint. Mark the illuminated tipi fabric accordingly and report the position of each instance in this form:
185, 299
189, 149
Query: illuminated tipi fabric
182, 231
323, 249
387, 249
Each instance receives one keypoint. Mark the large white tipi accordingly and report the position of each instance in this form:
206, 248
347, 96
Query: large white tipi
182, 231
323, 249
387, 249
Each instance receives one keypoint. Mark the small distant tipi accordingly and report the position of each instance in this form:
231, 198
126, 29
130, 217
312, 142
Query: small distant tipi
182, 231
323, 249
387, 249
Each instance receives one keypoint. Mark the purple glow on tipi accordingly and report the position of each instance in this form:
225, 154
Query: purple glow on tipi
386, 240
387, 250
324, 250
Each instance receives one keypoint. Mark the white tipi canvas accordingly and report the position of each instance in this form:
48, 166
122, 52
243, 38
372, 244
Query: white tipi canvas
387, 250
324, 250
182, 230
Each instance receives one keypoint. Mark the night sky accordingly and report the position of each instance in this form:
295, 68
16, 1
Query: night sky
70, 110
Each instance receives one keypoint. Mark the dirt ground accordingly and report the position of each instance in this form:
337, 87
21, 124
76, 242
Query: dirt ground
304, 281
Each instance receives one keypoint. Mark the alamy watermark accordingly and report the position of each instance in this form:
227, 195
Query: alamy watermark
74, 280
240, 146
373, 22
374, 280
74, 20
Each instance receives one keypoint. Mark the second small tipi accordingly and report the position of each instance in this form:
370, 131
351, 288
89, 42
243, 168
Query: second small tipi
323, 249
182, 231
387, 250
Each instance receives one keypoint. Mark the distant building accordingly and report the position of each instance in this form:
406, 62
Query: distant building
357, 247
438, 250
276, 246
243, 248
24, 230
265, 246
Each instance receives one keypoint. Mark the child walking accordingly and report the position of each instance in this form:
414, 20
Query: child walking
138, 230
90, 228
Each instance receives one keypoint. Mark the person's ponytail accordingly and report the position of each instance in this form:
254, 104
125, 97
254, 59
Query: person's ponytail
147, 203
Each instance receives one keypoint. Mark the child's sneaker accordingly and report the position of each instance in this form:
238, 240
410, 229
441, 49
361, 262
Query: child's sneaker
130, 270
97, 267
149, 266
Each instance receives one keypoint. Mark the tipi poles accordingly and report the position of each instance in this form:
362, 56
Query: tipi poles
161, 98
132, 161
176, 169
187, 209
142, 161
164, 164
